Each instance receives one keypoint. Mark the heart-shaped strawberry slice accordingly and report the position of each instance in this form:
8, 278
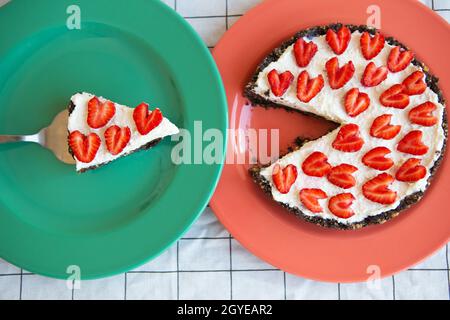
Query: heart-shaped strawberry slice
283, 179
348, 139
411, 171
304, 52
399, 59
339, 76
316, 165
415, 84
376, 159
383, 129
146, 120
371, 46
309, 198
377, 189
338, 41
341, 176
423, 114
395, 97
356, 102
412, 144
340, 205
84, 147
99, 113
280, 83
117, 139
374, 75
308, 88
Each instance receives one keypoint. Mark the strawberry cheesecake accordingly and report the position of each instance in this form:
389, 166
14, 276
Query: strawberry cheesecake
101, 131
391, 125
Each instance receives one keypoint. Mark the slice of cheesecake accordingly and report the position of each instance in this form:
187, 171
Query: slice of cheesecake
101, 131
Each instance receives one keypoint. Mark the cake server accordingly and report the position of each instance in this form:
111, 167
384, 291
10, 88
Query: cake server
53, 137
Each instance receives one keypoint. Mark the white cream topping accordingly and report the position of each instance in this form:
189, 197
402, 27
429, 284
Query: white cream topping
123, 117
329, 104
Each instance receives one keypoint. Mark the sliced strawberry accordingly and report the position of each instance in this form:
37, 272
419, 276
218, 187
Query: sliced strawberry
356, 102
411, 171
340, 205
395, 97
308, 88
341, 176
423, 114
371, 46
412, 144
377, 189
117, 138
338, 41
316, 165
284, 178
99, 113
376, 159
280, 83
348, 139
383, 129
310, 197
373, 76
399, 59
339, 76
84, 147
415, 84
146, 120
304, 52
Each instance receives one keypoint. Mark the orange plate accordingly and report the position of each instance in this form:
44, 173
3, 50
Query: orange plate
266, 229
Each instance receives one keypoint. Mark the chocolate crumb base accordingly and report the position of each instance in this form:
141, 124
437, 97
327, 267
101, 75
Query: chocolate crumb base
431, 80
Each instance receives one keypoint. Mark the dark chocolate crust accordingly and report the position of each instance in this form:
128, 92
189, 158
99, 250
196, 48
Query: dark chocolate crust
146, 146
256, 99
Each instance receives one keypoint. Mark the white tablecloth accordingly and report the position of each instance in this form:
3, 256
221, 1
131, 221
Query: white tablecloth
209, 264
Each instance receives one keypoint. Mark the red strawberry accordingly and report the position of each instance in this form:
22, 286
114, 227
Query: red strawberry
415, 84
399, 59
280, 83
84, 148
310, 197
376, 159
340, 204
146, 120
338, 41
304, 52
411, 171
308, 88
348, 139
99, 113
383, 129
377, 189
284, 178
339, 76
422, 114
117, 138
371, 46
395, 97
373, 76
316, 165
341, 176
412, 144
356, 102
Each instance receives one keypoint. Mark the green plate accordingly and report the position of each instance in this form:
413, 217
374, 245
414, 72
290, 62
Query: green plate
115, 218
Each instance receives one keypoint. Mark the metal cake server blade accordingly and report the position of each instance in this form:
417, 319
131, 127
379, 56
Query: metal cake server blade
53, 137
